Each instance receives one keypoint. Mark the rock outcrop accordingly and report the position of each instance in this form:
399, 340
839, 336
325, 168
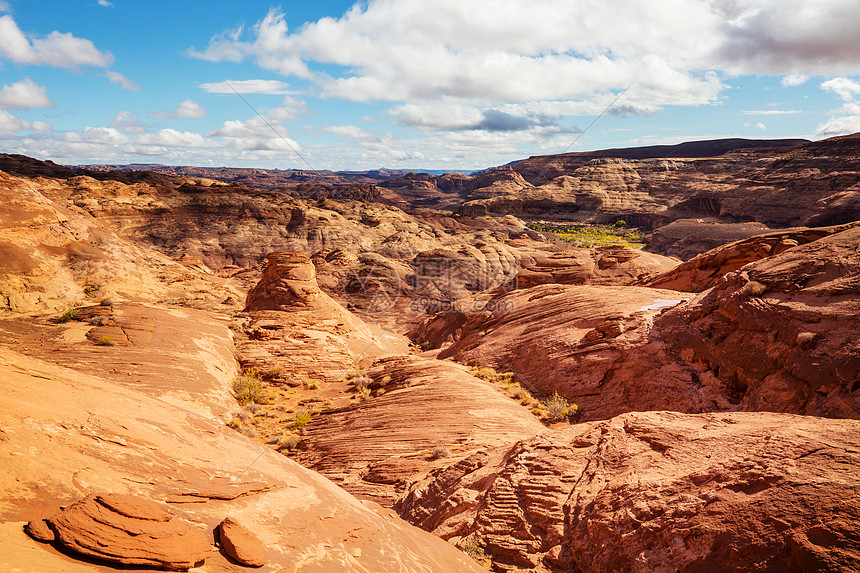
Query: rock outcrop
81, 434
658, 491
422, 413
706, 270
288, 282
781, 333
130, 531
594, 345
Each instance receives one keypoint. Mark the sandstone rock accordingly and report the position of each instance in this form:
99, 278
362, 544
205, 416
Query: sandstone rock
781, 333
82, 431
240, 544
130, 531
375, 448
658, 491
289, 281
611, 265
594, 345
706, 270
40, 530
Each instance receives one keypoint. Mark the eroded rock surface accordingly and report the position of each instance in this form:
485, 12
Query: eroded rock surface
240, 544
130, 531
80, 432
658, 491
706, 270
428, 411
781, 333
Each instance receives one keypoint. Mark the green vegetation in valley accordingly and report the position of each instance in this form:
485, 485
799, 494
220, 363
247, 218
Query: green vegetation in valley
590, 236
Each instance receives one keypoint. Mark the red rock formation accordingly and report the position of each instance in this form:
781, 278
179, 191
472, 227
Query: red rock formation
658, 491
706, 270
376, 448
288, 282
594, 345
781, 333
130, 531
240, 544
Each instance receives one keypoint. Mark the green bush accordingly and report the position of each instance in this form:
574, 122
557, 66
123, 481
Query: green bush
70, 314
105, 341
473, 549
249, 388
301, 419
557, 407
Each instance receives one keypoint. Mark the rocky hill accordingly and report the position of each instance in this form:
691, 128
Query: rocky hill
224, 371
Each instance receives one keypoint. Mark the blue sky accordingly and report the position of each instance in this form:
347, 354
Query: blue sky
436, 84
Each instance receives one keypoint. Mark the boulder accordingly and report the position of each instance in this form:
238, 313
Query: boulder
130, 531
240, 544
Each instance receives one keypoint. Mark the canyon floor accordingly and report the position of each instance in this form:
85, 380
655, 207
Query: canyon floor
632, 360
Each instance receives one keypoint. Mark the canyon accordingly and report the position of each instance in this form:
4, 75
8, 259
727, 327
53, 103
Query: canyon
642, 359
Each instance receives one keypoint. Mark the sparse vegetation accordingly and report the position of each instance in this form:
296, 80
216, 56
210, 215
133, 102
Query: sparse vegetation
106, 341
440, 452
312, 383
301, 419
249, 388
473, 549
90, 290
558, 408
288, 441
106, 302
69, 315
590, 236
755, 289
99, 320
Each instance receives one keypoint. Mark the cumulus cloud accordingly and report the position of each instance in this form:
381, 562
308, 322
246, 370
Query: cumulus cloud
128, 121
845, 88
24, 94
272, 87
795, 79
10, 124
186, 110
122, 81
770, 112
56, 49
5, 6
551, 49
105, 4
845, 119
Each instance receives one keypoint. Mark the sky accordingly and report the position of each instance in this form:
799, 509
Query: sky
415, 84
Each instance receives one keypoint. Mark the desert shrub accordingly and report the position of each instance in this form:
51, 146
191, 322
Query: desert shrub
754, 288
249, 388
253, 409
805, 338
235, 423
472, 548
362, 393
301, 419
557, 407
90, 290
70, 314
250, 432
106, 341
440, 452
288, 441
99, 320
312, 384
106, 302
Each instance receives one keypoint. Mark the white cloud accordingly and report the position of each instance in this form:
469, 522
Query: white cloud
795, 79
845, 88
761, 126
770, 112
845, 119
551, 49
122, 81
10, 124
352, 132
56, 49
105, 3
24, 94
185, 110
128, 121
5, 6
274, 87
